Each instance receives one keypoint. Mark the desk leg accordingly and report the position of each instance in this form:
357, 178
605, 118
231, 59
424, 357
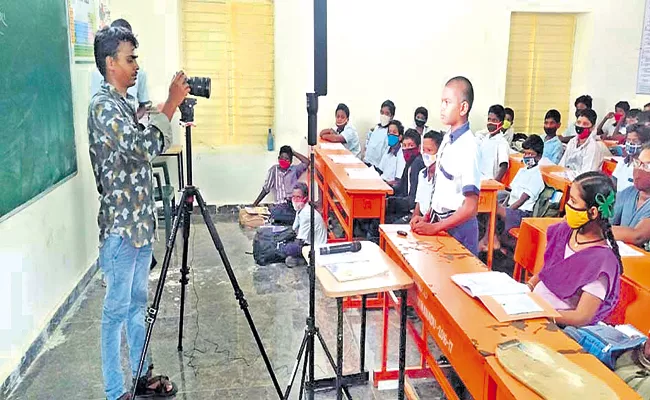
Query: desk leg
339, 349
384, 335
402, 345
362, 340
491, 230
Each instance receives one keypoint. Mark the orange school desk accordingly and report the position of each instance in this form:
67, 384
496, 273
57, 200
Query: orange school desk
634, 302
557, 182
461, 326
487, 203
609, 166
348, 198
515, 163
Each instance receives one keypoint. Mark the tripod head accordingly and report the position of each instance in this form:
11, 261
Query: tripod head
187, 110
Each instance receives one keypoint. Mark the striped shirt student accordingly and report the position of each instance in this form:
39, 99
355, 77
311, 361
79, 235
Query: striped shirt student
282, 177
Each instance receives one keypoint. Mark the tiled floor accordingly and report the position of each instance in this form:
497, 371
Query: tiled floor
220, 359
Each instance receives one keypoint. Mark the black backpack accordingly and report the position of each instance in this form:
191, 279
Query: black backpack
267, 244
544, 206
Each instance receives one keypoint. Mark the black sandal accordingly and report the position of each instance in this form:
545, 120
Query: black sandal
143, 389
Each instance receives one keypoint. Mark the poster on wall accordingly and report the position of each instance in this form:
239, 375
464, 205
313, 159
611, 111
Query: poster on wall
86, 17
643, 74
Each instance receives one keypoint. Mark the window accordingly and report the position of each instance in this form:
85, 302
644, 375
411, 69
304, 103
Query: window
540, 60
231, 41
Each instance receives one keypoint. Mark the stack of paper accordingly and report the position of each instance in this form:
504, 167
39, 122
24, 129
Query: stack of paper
626, 251
344, 159
257, 210
362, 173
332, 146
352, 271
488, 283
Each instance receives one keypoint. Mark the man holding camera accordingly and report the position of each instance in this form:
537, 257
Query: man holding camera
121, 151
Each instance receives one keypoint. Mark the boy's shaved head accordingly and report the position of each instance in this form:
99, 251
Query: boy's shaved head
465, 87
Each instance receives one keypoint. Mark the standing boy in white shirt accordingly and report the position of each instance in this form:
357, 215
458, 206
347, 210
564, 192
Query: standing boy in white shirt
494, 149
454, 201
583, 154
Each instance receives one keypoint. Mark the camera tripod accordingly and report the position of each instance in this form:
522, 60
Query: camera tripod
183, 213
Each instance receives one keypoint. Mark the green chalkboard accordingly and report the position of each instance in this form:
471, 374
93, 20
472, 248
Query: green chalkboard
37, 142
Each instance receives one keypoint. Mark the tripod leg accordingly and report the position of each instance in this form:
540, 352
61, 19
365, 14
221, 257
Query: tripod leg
239, 294
304, 375
331, 360
184, 268
152, 311
294, 371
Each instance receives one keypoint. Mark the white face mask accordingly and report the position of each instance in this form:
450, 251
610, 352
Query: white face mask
297, 205
428, 159
384, 120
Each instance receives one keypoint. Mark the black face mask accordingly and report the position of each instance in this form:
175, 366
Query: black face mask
550, 131
420, 122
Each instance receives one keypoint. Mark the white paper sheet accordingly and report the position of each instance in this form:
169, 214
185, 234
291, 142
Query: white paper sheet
515, 304
626, 251
345, 159
488, 283
352, 271
570, 175
332, 146
362, 173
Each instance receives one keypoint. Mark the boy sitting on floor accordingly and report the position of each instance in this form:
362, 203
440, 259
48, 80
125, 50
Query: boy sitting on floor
302, 226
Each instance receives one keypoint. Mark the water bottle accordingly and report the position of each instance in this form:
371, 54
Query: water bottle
270, 141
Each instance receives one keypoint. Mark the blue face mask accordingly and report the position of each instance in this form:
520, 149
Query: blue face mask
632, 149
393, 140
530, 162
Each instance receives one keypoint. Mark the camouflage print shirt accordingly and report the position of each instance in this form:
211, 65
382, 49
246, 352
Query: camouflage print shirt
121, 151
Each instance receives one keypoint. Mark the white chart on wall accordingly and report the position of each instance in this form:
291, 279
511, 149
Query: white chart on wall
643, 75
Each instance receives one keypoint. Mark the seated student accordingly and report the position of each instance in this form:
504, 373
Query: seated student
553, 148
420, 118
280, 179
582, 103
581, 273
583, 154
392, 161
302, 226
613, 121
632, 118
526, 188
377, 138
344, 132
494, 150
631, 218
430, 146
507, 129
637, 136
454, 202
402, 201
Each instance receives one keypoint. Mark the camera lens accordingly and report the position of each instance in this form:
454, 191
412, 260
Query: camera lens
200, 86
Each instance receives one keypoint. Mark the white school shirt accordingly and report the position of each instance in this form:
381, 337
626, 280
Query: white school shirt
509, 134
302, 226
494, 150
351, 137
588, 157
529, 181
610, 127
623, 174
423, 192
457, 172
376, 145
138, 91
392, 166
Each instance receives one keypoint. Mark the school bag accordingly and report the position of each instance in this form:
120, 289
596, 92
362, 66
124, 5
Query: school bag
633, 367
268, 241
548, 203
604, 341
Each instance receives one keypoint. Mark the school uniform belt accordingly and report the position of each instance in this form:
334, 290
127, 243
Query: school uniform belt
436, 216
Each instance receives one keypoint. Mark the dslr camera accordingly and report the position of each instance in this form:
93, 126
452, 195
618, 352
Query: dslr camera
200, 86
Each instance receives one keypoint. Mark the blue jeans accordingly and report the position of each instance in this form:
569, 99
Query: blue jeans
126, 270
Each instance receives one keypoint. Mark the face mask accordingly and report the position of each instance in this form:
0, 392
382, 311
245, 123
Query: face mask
492, 128
384, 120
632, 149
392, 140
410, 154
342, 124
530, 162
583, 133
284, 164
420, 122
428, 159
507, 124
618, 117
576, 218
297, 205
641, 179
550, 131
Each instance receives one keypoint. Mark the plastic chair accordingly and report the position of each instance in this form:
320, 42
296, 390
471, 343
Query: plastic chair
165, 194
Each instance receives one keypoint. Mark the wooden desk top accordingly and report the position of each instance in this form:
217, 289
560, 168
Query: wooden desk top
492, 184
394, 279
514, 389
352, 186
432, 260
173, 150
